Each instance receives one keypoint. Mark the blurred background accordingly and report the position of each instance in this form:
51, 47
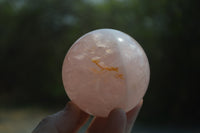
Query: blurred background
35, 36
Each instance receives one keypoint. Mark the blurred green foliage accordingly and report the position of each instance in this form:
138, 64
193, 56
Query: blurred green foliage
35, 35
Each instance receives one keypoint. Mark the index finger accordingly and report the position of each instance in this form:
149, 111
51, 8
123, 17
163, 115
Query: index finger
68, 120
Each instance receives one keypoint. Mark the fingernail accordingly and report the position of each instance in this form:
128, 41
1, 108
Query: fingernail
138, 108
132, 115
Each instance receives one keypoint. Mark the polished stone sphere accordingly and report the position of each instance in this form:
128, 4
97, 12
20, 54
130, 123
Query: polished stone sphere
105, 69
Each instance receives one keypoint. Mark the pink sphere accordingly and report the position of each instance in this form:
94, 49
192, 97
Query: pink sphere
105, 69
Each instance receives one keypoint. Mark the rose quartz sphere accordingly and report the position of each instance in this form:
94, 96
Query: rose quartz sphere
105, 69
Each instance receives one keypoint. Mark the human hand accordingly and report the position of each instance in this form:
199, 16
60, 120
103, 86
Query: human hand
71, 118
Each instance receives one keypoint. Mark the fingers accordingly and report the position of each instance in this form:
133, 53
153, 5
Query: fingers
114, 123
131, 117
72, 118
97, 125
68, 120
46, 126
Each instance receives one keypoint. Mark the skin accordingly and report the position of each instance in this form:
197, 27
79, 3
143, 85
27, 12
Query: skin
71, 119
